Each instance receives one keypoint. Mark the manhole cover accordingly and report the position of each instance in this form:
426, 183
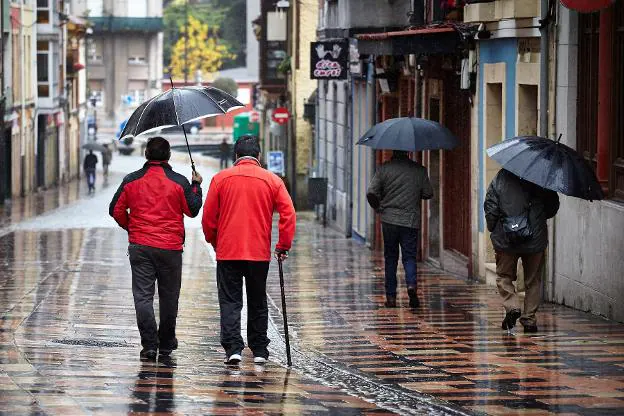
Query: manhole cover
92, 343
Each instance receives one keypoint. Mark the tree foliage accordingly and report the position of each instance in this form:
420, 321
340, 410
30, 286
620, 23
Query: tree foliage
227, 17
205, 52
174, 18
226, 84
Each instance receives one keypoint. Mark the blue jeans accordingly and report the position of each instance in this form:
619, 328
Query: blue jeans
407, 238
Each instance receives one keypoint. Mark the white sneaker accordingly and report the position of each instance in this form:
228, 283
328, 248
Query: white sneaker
260, 360
233, 359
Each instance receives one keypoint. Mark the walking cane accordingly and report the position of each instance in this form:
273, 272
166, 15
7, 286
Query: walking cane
285, 316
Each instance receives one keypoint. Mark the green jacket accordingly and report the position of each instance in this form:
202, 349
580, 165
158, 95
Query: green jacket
397, 190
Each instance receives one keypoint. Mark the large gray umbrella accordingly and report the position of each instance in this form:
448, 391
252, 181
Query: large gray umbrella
409, 134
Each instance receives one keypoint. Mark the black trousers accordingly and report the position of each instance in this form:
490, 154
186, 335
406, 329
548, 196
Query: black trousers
230, 284
151, 265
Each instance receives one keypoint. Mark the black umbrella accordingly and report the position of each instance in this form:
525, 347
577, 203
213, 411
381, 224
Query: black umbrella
176, 107
549, 164
96, 147
409, 134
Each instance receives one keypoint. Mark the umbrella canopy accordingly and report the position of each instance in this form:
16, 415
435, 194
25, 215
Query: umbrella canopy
96, 147
410, 135
176, 107
549, 164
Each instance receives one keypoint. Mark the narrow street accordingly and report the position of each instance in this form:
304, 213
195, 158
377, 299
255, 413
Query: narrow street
69, 343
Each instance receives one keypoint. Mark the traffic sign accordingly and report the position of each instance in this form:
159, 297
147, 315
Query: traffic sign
276, 162
281, 115
254, 117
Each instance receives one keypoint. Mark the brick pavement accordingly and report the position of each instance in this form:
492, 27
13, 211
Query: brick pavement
68, 342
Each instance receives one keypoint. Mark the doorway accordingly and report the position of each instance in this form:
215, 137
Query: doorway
5, 166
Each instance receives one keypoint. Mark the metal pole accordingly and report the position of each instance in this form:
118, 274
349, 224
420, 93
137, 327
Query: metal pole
186, 38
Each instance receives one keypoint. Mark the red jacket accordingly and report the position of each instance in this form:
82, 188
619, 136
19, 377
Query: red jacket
238, 214
157, 198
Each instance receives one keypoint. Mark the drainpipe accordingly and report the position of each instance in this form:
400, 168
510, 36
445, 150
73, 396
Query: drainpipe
605, 95
545, 52
23, 100
348, 85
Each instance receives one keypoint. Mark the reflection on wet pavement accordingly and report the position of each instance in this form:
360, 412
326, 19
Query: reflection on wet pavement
69, 344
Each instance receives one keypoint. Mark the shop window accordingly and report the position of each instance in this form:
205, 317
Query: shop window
588, 108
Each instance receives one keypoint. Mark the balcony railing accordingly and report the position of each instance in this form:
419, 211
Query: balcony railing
127, 24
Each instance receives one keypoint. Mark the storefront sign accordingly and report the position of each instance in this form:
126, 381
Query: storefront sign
281, 115
275, 163
329, 60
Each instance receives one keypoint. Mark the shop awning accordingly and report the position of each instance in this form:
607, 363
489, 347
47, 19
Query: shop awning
587, 6
428, 40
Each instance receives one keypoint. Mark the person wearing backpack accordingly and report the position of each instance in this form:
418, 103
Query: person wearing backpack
516, 212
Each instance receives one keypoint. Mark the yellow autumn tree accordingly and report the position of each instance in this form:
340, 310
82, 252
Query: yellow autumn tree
204, 51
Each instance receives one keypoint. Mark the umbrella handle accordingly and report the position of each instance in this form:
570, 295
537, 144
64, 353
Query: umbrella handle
188, 148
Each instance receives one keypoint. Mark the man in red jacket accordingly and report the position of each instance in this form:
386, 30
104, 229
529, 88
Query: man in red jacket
237, 221
150, 204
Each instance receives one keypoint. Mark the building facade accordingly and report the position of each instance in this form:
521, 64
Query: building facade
125, 55
586, 267
507, 63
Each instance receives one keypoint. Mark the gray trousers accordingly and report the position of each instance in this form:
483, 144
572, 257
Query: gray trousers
151, 265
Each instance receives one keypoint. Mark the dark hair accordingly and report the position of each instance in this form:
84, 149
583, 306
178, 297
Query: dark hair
247, 145
158, 149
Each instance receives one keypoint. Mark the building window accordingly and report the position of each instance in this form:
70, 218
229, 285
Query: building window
43, 11
138, 96
137, 8
43, 69
136, 60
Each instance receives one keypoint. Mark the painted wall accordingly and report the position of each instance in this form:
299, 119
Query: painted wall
588, 270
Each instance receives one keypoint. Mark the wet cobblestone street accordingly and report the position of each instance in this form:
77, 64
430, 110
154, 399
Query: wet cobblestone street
69, 343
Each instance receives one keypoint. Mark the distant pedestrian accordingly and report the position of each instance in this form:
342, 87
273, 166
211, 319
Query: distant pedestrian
89, 165
237, 221
224, 148
150, 204
516, 212
396, 191
107, 156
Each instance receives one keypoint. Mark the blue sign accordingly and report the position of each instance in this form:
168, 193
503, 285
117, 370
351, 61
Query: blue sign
276, 162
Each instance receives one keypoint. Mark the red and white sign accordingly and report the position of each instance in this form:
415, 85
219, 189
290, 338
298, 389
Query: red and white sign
587, 6
281, 115
254, 117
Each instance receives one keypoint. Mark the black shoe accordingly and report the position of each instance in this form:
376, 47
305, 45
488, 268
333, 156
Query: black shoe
164, 353
390, 302
530, 329
148, 355
413, 298
511, 318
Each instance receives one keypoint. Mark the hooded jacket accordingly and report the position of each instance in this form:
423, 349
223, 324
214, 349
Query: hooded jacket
509, 196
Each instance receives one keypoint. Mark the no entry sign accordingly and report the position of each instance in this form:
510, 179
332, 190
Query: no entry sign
281, 115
